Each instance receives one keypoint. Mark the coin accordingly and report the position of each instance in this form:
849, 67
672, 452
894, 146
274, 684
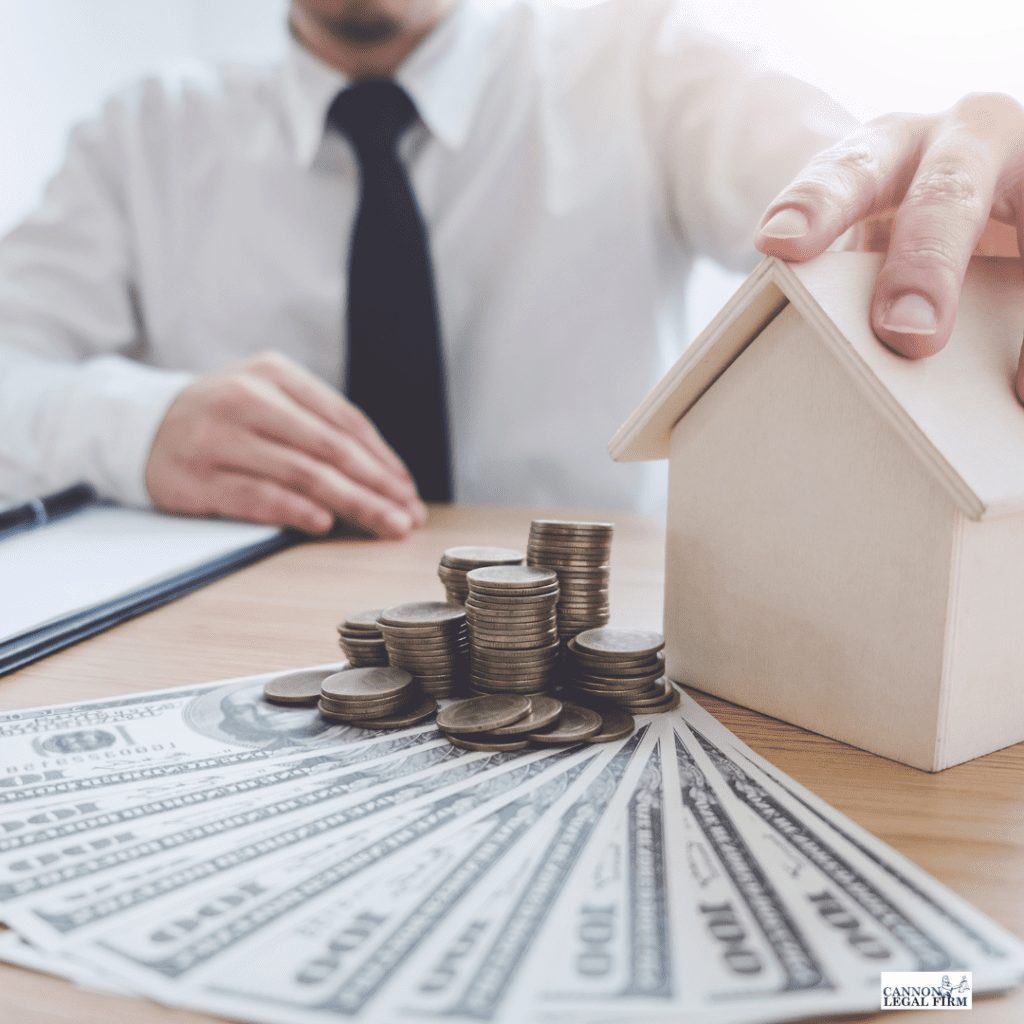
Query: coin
302, 687
571, 526
621, 659
575, 724
615, 725
539, 593
367, 642
475, 556
496, 746
437, 630
538, 677
620, 670
510, 596
426, 651
456, 562
492, 685
544, 711
414, 713
422, 613
531, 642
366, 683
669, 704
485, 689
331, 716
342, 717
511, 577
363, 621
609, 640
487, 619
367, 709
481, 714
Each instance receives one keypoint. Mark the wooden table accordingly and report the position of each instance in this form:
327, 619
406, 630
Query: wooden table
965, 825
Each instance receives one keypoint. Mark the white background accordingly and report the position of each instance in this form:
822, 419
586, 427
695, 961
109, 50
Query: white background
59, 58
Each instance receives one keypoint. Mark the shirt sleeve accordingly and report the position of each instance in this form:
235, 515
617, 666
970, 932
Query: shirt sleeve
729, 133
73, 406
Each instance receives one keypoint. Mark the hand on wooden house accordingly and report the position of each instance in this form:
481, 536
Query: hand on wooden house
933, 190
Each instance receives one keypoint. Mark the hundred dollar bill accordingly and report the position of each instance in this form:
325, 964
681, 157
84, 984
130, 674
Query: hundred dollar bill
44, 845
914, 911
473, 969
165, 943
71, 751
707, 929
15, 950
55, 904
610, 938
336, 960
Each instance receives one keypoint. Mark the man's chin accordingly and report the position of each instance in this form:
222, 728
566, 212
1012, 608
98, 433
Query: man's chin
363, 31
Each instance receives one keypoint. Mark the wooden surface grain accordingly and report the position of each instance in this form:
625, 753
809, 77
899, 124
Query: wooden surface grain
964, 825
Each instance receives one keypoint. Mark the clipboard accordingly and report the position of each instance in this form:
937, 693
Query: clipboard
69, 578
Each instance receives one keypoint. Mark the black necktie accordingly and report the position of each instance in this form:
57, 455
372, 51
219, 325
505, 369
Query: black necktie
395, 370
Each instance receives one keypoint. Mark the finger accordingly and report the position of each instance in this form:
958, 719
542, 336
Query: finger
864, 174
312, 393
265, 410
259, 457
939, 222
235, 495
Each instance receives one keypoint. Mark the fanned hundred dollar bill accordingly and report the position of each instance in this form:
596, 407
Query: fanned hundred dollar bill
206, 849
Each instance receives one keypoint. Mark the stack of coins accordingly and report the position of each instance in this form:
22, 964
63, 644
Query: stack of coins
374, 698
579, 553
362, 641
621, 668
428, 639
456, 562
513, 628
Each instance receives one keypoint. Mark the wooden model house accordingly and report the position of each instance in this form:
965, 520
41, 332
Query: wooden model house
845, 544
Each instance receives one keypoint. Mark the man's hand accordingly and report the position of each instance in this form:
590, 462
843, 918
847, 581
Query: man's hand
945, 176
268, 442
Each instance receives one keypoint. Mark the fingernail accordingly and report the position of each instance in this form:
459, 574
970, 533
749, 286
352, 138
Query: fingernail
398, 521
787, 223
910, 314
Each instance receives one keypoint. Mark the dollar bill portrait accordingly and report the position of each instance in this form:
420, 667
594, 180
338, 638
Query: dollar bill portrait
237, 713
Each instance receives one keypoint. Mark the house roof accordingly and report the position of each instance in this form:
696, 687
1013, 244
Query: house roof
956, 409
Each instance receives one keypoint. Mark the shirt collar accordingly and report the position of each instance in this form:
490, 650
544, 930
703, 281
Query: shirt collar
445, 76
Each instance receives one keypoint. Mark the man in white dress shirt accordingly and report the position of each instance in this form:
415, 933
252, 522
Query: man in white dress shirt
172, 315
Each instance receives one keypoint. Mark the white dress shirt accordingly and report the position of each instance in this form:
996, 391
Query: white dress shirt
569, 166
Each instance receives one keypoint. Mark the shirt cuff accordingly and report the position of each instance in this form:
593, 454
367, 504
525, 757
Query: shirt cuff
112, 412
